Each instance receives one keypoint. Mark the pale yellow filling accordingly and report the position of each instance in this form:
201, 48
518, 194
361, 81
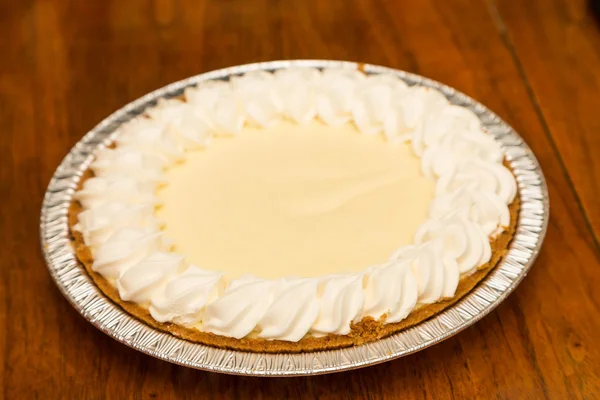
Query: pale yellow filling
295, 200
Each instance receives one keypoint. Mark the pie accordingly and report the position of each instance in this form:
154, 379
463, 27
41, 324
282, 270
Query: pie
294, 210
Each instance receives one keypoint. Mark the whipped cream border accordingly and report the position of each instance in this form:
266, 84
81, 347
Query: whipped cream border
473, 191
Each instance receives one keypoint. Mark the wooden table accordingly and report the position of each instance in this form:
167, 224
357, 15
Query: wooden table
64, 65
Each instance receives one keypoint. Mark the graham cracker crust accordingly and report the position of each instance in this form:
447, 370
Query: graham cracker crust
365, 331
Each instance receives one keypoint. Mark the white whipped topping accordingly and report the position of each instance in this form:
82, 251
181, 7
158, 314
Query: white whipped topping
228, 115
487, 176
463, 240
296, 89
447, 120
184, 127
335, 95
167, 111
374, 104
292, 312
139, 282
122, 162
457, 148
149, 136
259, 98
473, 191
123, 250
98, 190
437, 276
418, 104
205, 95
342, 299
240, 308
183, 298
391, 290
485, 208
98, 224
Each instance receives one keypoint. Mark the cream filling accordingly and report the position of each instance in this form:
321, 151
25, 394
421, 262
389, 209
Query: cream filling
295, 200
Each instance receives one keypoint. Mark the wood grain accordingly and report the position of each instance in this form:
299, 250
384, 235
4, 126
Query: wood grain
64, 65
557, 45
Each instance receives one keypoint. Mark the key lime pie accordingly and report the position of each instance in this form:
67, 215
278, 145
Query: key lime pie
293, 211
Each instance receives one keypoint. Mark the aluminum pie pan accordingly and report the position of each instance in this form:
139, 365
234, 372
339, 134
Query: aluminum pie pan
76, 285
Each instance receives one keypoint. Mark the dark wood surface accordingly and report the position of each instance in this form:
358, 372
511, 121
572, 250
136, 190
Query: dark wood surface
64, 65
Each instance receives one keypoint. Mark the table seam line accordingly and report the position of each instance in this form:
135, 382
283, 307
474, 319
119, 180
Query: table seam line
502, 31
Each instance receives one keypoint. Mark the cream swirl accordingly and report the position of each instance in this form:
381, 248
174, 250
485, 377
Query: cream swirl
205, 94
98, 190
184, 297
139, 282
374, 101
217, 104
391, 291
444, 121
420, 102
452, 150
335, 95
294, 309
149, 137
191, 132
258, 95
485, 208
98, 224
463, 240
394, 125
121, 162
124, 249
341, 302
173, 126
228, 116
167, 111
486, 176
203, 98
296, 90
240, 308
437, 276
184, 125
